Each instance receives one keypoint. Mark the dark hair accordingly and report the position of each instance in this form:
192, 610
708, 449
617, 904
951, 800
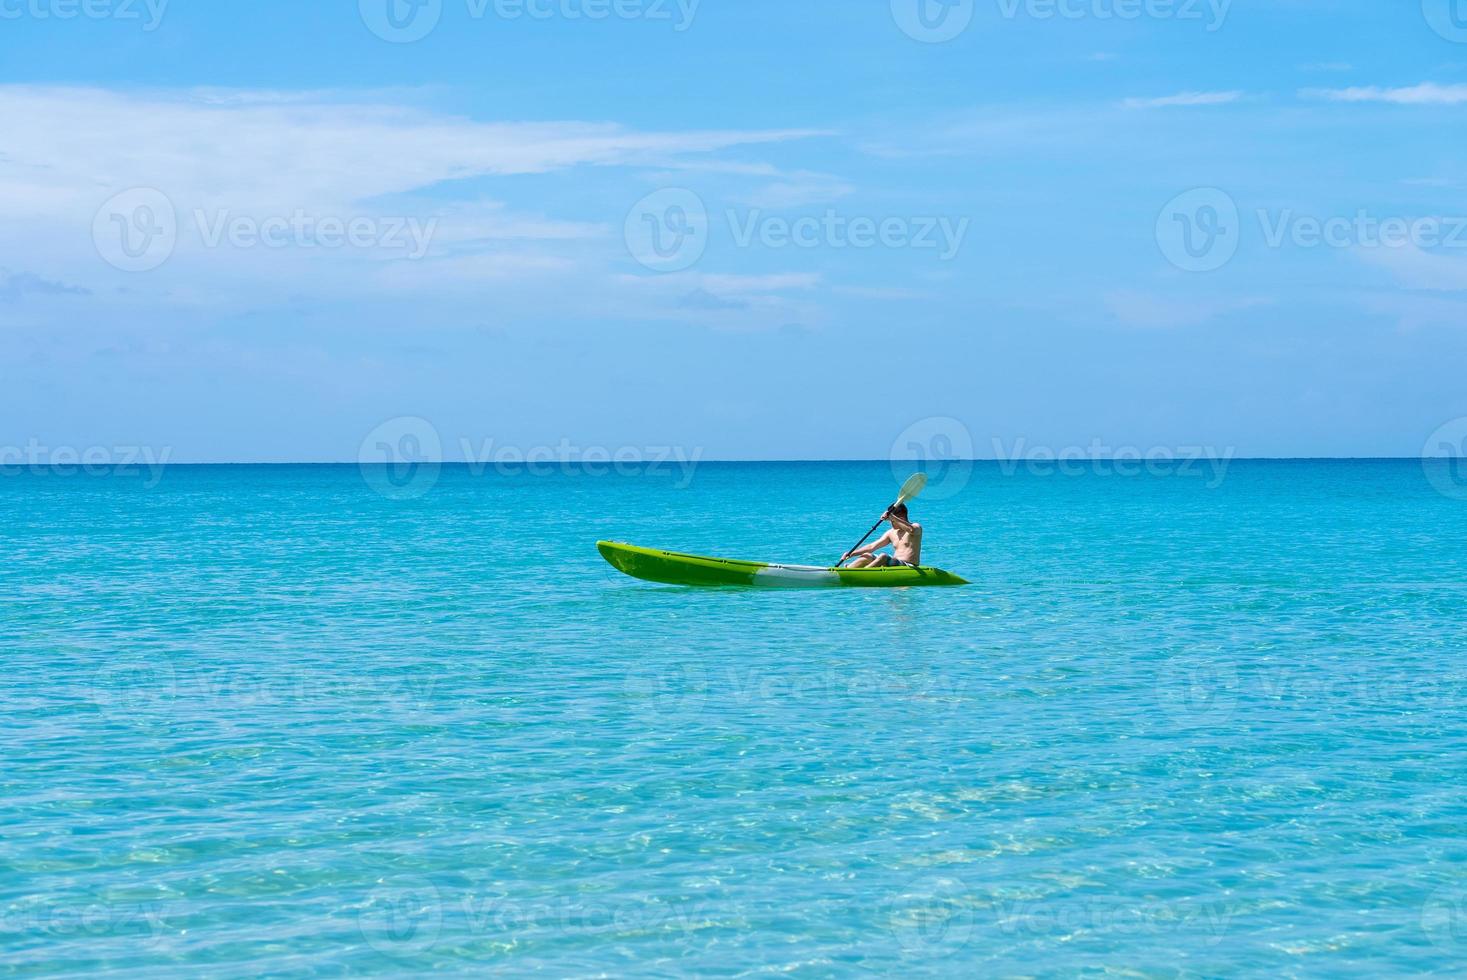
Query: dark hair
900, 510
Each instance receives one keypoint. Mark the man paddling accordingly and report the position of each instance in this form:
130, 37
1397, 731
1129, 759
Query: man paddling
904, 537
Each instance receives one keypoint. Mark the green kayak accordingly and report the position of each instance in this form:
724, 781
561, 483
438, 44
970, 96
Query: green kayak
678, 569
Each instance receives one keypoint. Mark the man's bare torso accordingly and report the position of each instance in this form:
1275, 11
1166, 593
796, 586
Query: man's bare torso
906, 545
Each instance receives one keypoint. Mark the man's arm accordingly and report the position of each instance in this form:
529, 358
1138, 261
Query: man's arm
880, 542
899, 524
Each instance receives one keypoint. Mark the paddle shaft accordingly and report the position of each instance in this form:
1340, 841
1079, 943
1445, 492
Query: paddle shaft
858, 544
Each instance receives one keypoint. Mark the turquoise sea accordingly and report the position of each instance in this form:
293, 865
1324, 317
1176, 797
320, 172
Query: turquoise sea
292, 721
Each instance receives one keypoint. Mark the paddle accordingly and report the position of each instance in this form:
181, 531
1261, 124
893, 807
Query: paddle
914, 485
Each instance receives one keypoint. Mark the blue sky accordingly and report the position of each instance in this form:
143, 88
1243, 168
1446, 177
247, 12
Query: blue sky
1139, 222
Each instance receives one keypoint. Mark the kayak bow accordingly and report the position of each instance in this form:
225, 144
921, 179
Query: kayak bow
673, 568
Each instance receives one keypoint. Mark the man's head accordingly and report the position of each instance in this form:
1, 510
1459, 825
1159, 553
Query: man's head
899, 510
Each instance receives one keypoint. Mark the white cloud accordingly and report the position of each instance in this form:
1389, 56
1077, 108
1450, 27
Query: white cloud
1135, 308
225, 155
1184, 99
799, 190
741, 302
1427, 93
1418, 269
66, 145
1416, 312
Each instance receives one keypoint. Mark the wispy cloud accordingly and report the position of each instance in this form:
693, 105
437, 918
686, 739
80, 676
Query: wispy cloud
1136, 308
799, 190
1427, 93
1184, 99
220, 156
1420, 269
65, 145
741, 302
14, 285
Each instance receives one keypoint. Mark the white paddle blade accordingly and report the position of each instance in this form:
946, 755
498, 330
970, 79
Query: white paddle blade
915, 484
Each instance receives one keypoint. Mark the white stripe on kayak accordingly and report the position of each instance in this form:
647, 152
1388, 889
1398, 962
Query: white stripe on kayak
796, 576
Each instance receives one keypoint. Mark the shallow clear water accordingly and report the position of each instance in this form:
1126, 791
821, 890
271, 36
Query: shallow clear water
271, 720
